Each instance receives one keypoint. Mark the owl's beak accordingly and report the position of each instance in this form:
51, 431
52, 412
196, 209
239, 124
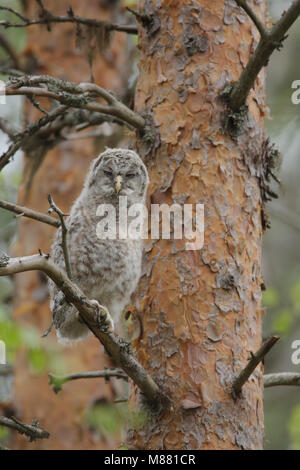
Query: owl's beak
118, 184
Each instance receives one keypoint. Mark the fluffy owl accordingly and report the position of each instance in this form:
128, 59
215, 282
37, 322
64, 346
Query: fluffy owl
106, 270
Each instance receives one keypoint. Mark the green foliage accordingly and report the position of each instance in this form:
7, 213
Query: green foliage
294, 427
109, 419
4, 433
284, 312
9, 333
7, 219
56, 382
38, 359
282, 322
106, 418
270, 298
56, 363
15, 36
131, 3
42, 356
295, 295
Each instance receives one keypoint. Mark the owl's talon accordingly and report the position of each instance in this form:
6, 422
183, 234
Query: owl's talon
104, 317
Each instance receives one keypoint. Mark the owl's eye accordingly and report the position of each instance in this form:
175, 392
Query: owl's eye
130, 175
107, 172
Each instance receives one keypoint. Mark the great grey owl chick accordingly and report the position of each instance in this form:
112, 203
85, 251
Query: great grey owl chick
106, 270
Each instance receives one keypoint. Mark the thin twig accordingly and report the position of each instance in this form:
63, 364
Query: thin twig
7, 69
33, 431
281, 378
261, 28
64, 234
254, 360
22, 138
52, 133
58, 381
69, 95
118, 349
36, 104
77, 96
271, 40
24, 211
138, 16
15, 12
49, 18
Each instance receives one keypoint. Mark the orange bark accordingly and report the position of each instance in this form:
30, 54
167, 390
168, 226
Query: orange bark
201, 309
61, 174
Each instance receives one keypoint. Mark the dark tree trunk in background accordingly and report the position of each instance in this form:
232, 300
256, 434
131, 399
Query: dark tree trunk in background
201, 309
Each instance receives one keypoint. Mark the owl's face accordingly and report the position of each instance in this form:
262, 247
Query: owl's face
119, 172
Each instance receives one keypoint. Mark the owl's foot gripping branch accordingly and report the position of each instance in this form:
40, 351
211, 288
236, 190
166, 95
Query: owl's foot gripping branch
115, 346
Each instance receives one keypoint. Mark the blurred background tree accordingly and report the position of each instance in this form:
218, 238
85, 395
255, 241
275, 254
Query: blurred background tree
281, 255
79, 417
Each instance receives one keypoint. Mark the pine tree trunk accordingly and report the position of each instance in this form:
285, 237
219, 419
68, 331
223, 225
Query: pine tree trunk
62, 174
201, 310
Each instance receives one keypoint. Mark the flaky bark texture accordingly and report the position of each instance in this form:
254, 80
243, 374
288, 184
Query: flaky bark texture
201, 309
62, 174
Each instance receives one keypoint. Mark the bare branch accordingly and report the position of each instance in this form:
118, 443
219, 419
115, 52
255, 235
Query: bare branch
261, 28
58, 381
52, 133
7, 69
282, 378
36, 104
49, 18
33, 431
77, 96
254, 360
15, 12
64, 234
118, 349
21, 139
69, 95
24, 211
138, 16
269, 41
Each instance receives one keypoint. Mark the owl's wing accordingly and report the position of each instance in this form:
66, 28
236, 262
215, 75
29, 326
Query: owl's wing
59, 306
